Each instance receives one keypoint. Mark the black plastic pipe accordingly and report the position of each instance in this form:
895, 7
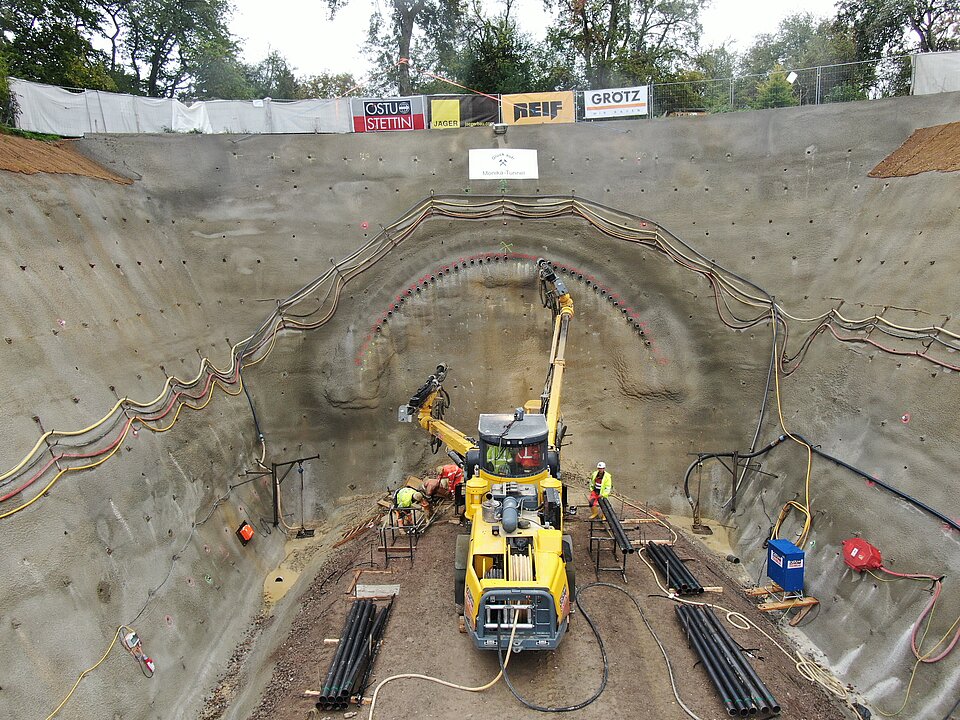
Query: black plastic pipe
616, 528
696, 587
709, 661
352, 644
357, 645
748, 695
379, 629
835, 460
672, 568
747, 668
347, 626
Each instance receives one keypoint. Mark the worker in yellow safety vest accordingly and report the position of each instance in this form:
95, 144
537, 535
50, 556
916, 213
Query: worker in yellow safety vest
404, 500
601, 483
498, 459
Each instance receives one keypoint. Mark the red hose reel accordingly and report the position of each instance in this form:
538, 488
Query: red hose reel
860, 555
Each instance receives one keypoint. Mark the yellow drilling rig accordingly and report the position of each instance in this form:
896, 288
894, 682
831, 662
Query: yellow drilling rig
514, 571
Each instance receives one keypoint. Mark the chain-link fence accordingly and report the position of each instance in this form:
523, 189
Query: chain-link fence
866, 80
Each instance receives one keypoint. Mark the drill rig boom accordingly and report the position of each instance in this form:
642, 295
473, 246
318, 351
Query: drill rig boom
515, 573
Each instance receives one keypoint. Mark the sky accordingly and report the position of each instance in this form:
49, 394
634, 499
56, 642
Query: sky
303, 32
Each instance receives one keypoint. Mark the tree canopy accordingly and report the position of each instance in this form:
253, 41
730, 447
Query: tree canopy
184, 48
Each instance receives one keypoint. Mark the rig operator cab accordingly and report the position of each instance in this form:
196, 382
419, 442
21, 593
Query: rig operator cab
514, 571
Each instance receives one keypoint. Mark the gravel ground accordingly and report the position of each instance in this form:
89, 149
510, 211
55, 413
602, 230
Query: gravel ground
422, 637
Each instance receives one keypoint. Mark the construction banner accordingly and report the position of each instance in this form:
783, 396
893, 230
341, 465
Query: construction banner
457, 111
383, 114
616, 102
538, 108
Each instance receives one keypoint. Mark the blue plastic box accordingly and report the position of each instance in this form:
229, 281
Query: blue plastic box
785, 565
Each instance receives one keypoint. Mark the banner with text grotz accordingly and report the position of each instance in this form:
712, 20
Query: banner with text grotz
538, 108
457, 111
503, 164
388, 114
616, 102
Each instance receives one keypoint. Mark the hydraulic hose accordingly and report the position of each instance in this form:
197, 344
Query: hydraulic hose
603, 656
827, 456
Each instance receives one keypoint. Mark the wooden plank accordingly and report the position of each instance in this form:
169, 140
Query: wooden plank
787, 604
763, 591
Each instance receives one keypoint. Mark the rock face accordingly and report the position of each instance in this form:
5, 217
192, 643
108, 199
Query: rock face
110, 289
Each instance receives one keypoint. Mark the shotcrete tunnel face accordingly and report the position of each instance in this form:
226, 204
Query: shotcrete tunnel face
644, 337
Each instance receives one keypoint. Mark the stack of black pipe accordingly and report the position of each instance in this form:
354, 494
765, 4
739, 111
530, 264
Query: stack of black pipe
619, 535
353, 661
741, 689
673, 570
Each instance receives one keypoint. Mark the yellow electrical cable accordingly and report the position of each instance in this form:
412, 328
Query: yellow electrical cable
445, 683
100, 461
792, 504
90, 669
405, 225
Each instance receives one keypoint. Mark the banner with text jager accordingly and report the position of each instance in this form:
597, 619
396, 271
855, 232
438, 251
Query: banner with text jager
538, 108
389, 114
616, 102
457, 111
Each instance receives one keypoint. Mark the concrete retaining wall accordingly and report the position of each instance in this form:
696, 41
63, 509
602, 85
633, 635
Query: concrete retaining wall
217, 228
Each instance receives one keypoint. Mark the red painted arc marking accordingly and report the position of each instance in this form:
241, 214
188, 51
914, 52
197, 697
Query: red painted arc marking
482, 256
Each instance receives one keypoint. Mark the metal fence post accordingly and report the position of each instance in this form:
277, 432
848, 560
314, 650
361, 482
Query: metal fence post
819, 69
732, 80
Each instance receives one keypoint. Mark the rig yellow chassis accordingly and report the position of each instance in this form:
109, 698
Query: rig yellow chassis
514, 569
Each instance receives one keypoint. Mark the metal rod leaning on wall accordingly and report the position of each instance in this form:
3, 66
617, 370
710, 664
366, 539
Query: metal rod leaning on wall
277, 481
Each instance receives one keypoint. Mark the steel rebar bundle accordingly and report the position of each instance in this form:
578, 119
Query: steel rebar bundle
673, 570
741, 690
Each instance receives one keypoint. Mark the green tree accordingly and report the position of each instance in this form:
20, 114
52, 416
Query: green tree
50, 41
328, 85
800, 41
774, 91
408, 40
163, 40
496, 56
620, 42
273, 77
8, 105
219, 74
887, 27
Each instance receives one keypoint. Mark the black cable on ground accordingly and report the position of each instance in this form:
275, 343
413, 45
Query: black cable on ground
603, 655
952, 710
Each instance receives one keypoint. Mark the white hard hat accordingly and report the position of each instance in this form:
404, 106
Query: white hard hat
601, 465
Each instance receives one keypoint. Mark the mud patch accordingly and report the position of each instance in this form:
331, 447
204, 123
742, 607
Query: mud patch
928, 149
32, 156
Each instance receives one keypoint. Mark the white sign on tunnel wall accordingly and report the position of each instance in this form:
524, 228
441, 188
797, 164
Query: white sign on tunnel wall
615, 102
503, 164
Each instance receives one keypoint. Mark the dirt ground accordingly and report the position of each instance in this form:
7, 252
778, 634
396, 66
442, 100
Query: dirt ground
932, 148
422, 636
32, 156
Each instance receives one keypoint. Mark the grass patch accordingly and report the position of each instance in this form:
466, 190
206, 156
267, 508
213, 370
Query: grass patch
17, 132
